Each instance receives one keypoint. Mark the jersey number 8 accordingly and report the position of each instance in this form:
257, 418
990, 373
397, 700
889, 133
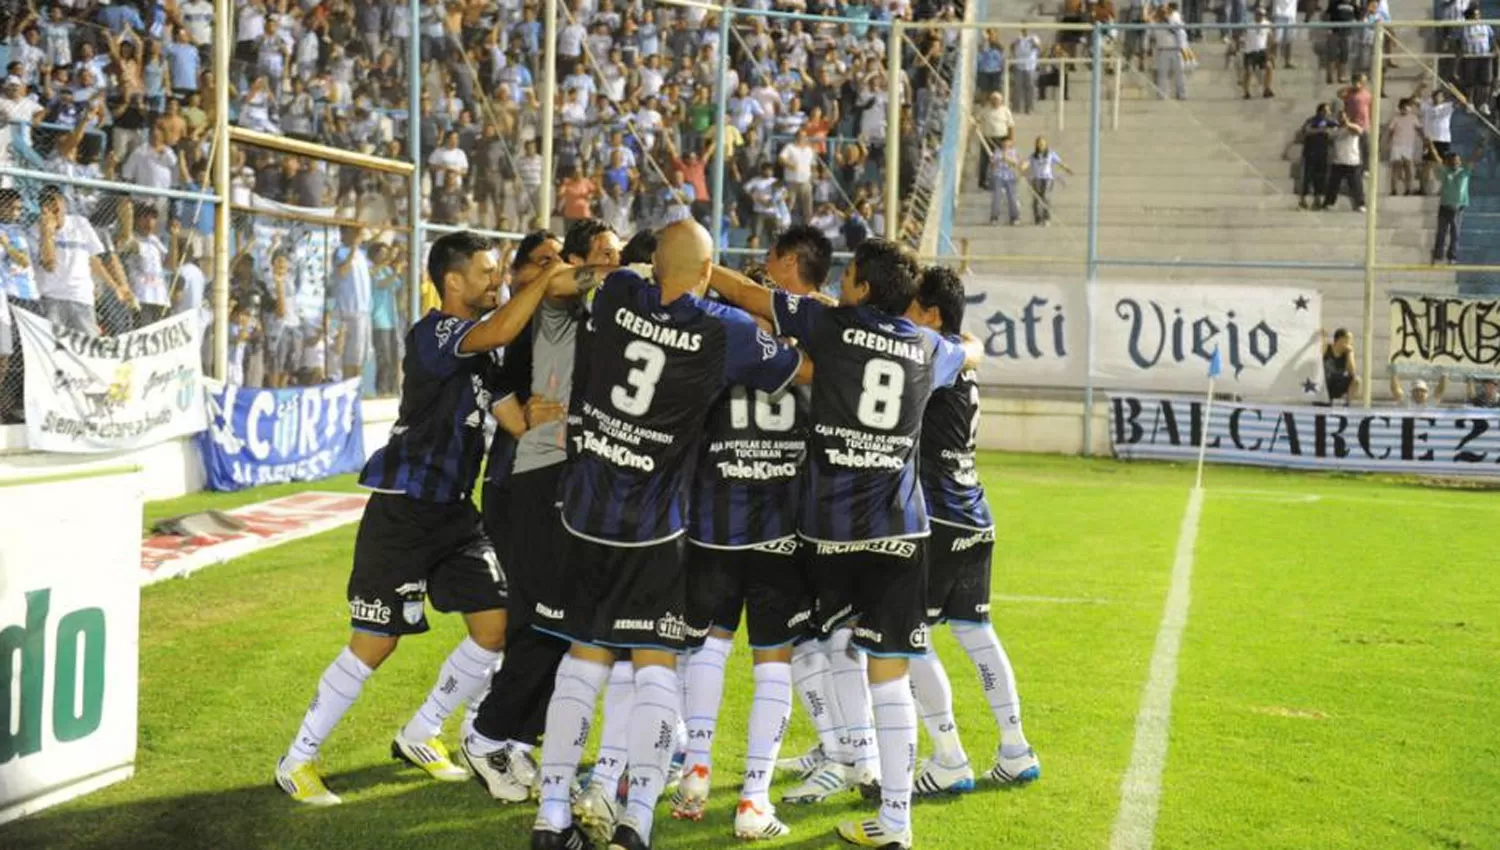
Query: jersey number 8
880, 394
633, 398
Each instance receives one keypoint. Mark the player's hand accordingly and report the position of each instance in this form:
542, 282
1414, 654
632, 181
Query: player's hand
540, 410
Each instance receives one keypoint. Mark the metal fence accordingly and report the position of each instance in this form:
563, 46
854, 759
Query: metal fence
305, 145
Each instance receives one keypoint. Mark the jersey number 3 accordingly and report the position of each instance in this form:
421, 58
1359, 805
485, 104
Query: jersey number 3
880, 394
633, 398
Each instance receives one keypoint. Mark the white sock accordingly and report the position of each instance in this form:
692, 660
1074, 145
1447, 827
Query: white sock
615, 735
569, 715
652, 719
471, 710
851, 687
769, 714
337, 690
703, 690
810, 676
464, 675
999, 681
680, 734
896, 726
934, 694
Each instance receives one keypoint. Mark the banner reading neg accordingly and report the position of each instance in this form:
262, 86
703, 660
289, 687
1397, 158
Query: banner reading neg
1445, 333
107, 393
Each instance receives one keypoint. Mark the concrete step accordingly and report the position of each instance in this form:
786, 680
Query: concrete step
1024, 240
973, 224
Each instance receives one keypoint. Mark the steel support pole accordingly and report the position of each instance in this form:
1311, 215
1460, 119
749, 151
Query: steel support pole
548, 103
416, 246
1096, 108
1372, 202
223, 39
722, 113
893, 130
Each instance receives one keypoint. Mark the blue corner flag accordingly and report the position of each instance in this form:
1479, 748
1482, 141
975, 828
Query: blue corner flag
1215, 364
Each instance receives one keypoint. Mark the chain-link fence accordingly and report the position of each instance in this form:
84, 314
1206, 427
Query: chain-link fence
318, 275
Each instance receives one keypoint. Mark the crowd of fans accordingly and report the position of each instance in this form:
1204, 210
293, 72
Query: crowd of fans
124, 91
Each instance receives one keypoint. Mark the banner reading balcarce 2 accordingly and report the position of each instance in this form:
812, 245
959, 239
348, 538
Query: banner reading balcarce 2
264, 436
107, 393
1148, 335
1440, 441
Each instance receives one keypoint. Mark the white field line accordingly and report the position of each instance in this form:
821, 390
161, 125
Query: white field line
1140, 791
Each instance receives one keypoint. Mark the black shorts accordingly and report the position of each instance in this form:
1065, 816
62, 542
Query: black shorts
767, 582
408, 550
621, 597
958, 574
522, 519
880, 586
1255, 60
1442, 151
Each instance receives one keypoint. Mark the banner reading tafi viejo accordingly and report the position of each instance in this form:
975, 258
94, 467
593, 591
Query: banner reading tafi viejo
1437, 441
1150, 336
106, 393
1439, 332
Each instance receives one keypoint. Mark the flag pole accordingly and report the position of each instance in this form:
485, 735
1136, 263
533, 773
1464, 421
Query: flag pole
1208, 409
1215, 366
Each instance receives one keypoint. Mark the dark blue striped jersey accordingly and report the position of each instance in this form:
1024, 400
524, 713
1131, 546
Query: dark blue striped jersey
874, 375
950, 478
746, 488
654, 371
504, 377
437, 443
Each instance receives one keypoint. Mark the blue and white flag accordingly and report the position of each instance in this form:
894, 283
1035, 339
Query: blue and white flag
1215, 364
264, 436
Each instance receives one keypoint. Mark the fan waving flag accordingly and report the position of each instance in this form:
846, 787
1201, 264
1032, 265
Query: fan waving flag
1215, 364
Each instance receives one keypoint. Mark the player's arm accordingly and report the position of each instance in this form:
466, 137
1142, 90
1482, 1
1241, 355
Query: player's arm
510, 416
804, 374
501, 327
742, 292
1442, 387
757, 359
952, 358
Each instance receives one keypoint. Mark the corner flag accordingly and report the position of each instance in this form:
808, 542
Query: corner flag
1215, 368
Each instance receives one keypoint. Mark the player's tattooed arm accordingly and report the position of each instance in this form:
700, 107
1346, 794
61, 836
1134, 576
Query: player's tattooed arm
742, 292
501, 327
564, 281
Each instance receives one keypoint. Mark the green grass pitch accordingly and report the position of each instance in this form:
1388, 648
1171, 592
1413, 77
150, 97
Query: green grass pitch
1338, 683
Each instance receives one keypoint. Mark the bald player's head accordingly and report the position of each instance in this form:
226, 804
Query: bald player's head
684, 257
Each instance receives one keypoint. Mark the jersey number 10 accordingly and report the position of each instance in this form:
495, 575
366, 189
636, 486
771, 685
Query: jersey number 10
775, 416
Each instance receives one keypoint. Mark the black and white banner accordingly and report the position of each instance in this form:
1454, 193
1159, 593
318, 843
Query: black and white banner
1444, 332
1420, 442
1148, 336
107, 393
